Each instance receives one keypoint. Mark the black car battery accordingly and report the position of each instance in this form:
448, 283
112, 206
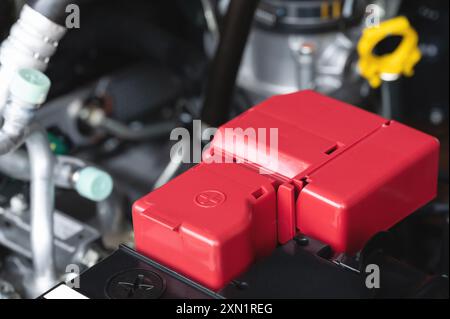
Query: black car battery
128, 275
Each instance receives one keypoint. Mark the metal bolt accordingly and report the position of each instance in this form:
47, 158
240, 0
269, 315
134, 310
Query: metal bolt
18, 204
436, 116
302, 241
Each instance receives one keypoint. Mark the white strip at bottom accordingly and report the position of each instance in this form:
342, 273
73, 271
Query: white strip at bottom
64, 292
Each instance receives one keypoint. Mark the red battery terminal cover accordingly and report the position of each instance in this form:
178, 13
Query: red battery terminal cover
210, 223
356, 173
340, 175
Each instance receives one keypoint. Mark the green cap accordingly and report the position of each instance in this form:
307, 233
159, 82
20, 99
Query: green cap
31, 86
94, 184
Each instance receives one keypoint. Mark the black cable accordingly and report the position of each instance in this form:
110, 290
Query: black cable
225, 66
6, 17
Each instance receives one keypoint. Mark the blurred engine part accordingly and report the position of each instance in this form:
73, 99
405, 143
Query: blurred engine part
297, 45
28, 90
118, 112
431, 20
73, 239
110, 103
386, 70
153, 33
32, 42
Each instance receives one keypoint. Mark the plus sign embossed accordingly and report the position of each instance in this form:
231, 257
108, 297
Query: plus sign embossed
210, 198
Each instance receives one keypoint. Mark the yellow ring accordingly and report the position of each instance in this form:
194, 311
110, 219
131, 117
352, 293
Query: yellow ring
399, 62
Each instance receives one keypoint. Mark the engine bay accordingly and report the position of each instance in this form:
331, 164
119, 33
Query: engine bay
223, 149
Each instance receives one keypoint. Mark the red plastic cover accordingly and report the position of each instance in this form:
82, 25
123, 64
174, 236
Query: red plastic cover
356, 173
340, 175
209, 223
